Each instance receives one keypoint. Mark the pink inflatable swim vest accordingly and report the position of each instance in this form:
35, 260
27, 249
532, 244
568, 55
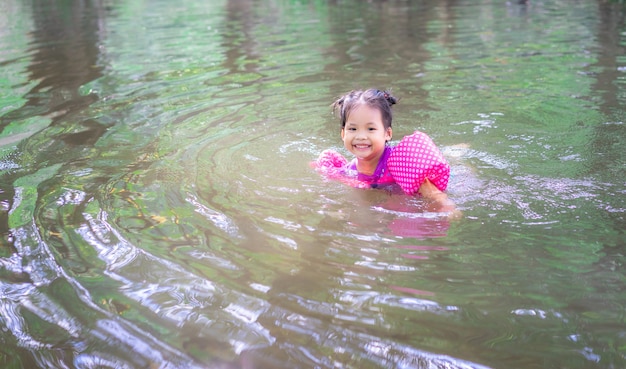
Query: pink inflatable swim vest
415, 159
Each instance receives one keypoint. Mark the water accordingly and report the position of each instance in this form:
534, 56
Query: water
159, 211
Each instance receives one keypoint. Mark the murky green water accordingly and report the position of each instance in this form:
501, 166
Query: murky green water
158, 209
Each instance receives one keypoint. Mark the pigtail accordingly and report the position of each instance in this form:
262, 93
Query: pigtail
337, 106
338, 109
343, 105
391, 100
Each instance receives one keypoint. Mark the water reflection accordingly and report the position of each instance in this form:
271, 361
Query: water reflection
60, 68
608, 138
157, 209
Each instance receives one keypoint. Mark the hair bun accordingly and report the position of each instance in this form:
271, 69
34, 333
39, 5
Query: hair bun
390, 99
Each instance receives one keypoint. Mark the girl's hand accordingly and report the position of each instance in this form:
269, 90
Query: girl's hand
439, 201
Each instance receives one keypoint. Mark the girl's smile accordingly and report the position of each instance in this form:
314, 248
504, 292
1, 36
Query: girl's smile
365, 136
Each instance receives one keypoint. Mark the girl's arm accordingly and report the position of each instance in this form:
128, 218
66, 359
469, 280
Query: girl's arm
439, 200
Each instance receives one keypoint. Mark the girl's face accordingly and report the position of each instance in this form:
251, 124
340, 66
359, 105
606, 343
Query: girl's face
364, 134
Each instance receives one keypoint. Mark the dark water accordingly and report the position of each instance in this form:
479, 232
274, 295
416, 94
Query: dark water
158, 209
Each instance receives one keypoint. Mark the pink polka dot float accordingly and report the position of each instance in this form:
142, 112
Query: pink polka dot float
330, 161
415, 159
333, 166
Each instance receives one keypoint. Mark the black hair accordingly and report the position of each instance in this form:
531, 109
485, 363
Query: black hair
379, 99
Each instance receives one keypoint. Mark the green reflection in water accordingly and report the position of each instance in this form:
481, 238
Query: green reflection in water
158, 195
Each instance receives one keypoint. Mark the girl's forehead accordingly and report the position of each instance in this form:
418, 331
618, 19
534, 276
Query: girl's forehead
364, 110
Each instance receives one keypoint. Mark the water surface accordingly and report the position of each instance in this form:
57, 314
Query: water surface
158, 208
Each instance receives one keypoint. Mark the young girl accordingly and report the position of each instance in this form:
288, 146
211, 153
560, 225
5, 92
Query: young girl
415, 164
